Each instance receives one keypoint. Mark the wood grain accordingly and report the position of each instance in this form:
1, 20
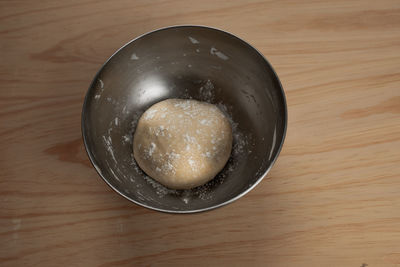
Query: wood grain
332, 199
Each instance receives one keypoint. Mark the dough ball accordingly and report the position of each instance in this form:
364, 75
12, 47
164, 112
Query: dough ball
182, 143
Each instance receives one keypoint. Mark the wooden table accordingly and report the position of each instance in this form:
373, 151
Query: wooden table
332, 199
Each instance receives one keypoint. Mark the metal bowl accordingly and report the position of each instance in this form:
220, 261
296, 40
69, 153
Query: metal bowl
185, 62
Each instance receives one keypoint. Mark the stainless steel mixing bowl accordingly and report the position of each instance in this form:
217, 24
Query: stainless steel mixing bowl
185, 62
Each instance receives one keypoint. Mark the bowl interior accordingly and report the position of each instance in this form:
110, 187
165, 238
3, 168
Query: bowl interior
185, 62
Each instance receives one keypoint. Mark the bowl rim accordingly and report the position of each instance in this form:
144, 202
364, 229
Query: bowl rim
261, 177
